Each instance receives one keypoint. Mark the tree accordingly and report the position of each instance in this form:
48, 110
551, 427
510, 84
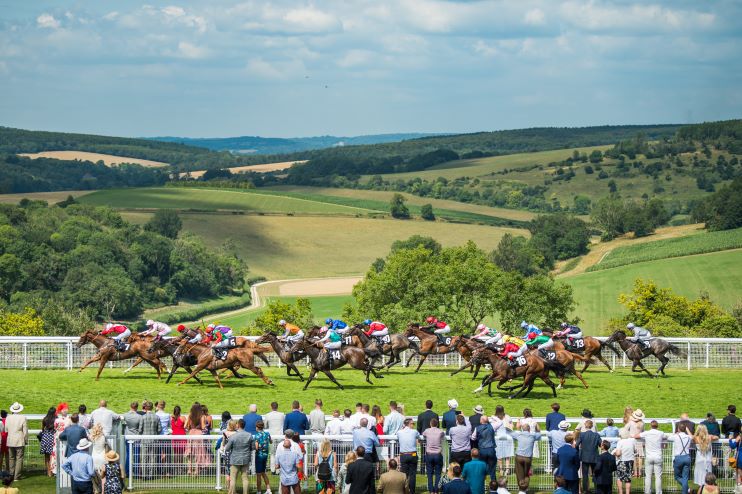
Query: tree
299, 313
26, 323
416, 241
608, 214
722, 210
515, 254
582, 204
612, 187
108, 290
166, 222
596, 156
426, 211
398, 208
559, 236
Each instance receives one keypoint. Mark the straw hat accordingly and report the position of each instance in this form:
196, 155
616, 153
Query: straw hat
564, 425
637, 414
479, 409
112, 456
16, 408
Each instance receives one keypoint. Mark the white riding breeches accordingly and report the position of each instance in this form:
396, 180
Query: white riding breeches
123, 335
383, 332
295, 337
333, 345
195, 339
520, 352
546, 346
222, 344
445, 330
492, 340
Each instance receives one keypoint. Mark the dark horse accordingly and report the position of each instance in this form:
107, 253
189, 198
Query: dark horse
636, 352
182, 357
287, 357
320, 360
395, 348
592, 347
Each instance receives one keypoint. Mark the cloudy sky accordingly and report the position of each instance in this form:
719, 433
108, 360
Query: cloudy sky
349, 67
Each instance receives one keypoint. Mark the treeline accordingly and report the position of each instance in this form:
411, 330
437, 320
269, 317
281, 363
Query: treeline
21, 174
73, 263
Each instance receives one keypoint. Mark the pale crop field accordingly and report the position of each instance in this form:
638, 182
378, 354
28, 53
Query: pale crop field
262, 168
108, 159
50, 197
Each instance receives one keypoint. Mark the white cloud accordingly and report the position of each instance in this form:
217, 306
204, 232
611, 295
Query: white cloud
47, 21
311, 20
275, 70
355, 58
174, 11
535, 17
485, 49
111, 16
189, 50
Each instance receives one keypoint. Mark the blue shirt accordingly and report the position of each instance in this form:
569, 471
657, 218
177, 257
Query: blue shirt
80, 467
407, 439
337, 324
366, 438
485, 436
532, 328
474, 473
251, 419
609, 431
553, 419
288, 463
296, 421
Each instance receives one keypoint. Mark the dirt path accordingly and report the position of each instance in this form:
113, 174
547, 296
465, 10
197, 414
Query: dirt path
598, 251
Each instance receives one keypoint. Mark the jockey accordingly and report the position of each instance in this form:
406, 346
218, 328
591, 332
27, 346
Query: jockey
641, 335
375, 328
160, 328
542, 342
571, 332
490, 336
292, 332
192, 335
440, 326
220, 335
511, 345
336, 325
332, 339
121, 332
521, 347
529, 328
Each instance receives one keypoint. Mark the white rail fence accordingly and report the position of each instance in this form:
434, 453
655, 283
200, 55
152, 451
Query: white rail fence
62, 353
193, 464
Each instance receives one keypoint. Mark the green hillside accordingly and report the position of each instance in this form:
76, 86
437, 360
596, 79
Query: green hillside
596, 293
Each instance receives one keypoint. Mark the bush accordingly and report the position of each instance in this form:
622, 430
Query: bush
426, 211
203, 310
722, 326
26, 323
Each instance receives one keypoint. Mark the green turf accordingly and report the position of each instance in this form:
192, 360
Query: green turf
596, 293
700, 243
322, 308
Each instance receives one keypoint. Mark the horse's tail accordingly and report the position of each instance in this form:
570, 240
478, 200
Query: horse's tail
676, 350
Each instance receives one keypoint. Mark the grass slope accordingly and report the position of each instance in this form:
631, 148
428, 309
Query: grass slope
676, 247
50, 197
322, 308
281, 247
596, 293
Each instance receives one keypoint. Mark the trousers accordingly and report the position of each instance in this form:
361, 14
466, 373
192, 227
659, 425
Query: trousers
522, 467
681, 471
489, 456
653, 464
408, 466
16, 461
587, 470
235, 470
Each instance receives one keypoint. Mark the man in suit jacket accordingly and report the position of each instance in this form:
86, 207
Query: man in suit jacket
423, 420
588, 443
17, 429
296, 420
360, 474
239, 447
457, 485
604, 469
393, 481
569, 463
151, 426
73, 434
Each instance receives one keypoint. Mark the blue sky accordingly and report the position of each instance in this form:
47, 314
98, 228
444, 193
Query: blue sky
349, 67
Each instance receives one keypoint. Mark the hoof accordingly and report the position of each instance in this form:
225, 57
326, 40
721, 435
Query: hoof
611, 371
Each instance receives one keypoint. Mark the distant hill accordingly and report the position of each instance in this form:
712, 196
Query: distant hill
278, 145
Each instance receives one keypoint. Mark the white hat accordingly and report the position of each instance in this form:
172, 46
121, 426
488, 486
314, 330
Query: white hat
479, 409
282, 322
16, 408
109, 325
83, 444
481, 327
637, 414
630, 325
564, 425
453, 403
150, 323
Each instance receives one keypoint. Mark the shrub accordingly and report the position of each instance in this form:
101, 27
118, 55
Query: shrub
26, 323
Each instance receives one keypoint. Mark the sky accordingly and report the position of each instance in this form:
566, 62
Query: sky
285, 68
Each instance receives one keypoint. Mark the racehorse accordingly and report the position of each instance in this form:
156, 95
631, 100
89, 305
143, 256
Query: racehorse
181, 357
320, 361
466, 346
396, 346
287, 357
429, 344
532, 367
592, 347
236, 357
636, 352
138, 347
561, 362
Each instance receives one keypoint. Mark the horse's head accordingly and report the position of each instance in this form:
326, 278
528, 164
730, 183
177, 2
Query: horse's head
617, 335
156, 344
87, 337
263, 339
408, 332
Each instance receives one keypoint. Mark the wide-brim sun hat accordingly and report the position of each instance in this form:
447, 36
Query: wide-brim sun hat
16, 408
479, 409
112, 456
453, 403
83, 444
564, 425
637, 414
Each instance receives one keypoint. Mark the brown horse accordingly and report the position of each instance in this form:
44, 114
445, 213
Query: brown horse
236, 357
561, 362
502, 372
592, 347
288, 358
138, 347
397, 345
429, 344
320, 360
466, 346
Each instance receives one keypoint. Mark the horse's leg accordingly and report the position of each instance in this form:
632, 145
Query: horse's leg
545, 378
423, 357
216, 378
663, 362
642, 368
296, 369
476, 371
312, 373
103, 362
157, 365
138, 361
602, 359
463, 366
263, 358
172, 371
199, 368
579, 376
332, 378
258, 372
198, 380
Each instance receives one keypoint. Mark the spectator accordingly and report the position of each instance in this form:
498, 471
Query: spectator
378, 418
407, 439
448, 476
712, 425
731, 425
355, 419
393, 481
227, 433
82, 412
609, 430
625, 452
484, 434
457, 485
434, 438
449, 418
366, 414
296, 420
681, 443
4, 453
111, 478
533, 424
460, 436
342, 484
325, 464
361, 473
317, 418
586, 415
423, 420
499, 487
80, 467
588, 443
604, 470
527, 439
475, 419
636, 426
554, 418
296, 440
47, 440
195, 452
364, 437
251, 418
347, 424
287, 461
557, 441
177, 428
501, 423
7, 480
73, 435
735, 446
475, 473
98, 453
653, 452
262, 451
394, 421
274, 421
163, 416
334, 426
151, 426
208, 421
239, 448
102, 415
132, 427
709, 485
690, 426
569, 463
704, 454
17, 428
561, 485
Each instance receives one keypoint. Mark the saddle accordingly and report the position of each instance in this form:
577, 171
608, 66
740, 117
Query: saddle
518, 362
220, 353
547, 355
383, 340
120, 346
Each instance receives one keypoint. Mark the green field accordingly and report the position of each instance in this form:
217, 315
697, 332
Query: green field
596, 293
280, 247
322, 308
701, 243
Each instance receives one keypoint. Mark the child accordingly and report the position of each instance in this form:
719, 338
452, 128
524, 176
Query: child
709, 486
561, 485
603, 471
499, 487
610, 431
111, 474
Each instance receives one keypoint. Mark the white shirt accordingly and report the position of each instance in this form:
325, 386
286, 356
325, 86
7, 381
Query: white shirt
105, 418
294, 447
681, 443
346, 426
653, 441
355, 419
371, 420
581, 425
626, 447
274, 422
334, 427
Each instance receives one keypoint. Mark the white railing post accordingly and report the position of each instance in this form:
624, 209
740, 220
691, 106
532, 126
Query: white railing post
445, 360
25, 356
689, 355
219, 470
459, 360
404, 359
69, 355
130, 453
708, 351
